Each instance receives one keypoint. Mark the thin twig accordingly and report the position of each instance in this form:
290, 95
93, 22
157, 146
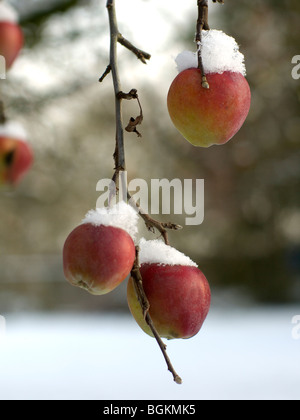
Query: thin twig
119, 157
145, 306
153, 224
202, 24
119, 154
107, 71
141, 55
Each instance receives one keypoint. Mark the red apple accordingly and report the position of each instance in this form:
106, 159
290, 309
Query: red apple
209, 116
98, 258
179, 298
16, 158
11, 41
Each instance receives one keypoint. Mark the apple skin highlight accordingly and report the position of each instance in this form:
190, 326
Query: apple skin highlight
207, 117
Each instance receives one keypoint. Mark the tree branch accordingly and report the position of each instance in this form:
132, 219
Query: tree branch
116, 37
107, 71
138, 285
141, 55
119, 157
119, 154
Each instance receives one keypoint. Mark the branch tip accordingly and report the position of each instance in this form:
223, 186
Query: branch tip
141, 55
107, 71
178, 380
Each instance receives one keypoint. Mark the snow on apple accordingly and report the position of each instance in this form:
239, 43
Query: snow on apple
210, 116
99, 254
178, 292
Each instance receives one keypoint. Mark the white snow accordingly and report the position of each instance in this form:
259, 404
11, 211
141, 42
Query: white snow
121, 215
239, 354
186, 60
220, 53
8, 13
13, 130
157, 252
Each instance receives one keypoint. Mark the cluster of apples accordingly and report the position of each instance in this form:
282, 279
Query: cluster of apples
16, 155
208, 116
99, 254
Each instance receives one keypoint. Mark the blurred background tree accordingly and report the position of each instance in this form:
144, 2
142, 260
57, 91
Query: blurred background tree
249, 243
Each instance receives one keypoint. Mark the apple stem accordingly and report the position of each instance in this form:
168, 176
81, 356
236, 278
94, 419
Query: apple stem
202, 24
145, 306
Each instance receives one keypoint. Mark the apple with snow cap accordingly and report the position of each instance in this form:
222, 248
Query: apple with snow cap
99, 254
16, 155
207, 117
178, 292
11, 35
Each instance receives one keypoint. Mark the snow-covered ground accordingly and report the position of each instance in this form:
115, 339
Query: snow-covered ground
251, 353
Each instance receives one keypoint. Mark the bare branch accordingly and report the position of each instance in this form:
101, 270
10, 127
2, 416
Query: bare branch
141, 55
119, 157
119, 154
107, 71
145, 306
